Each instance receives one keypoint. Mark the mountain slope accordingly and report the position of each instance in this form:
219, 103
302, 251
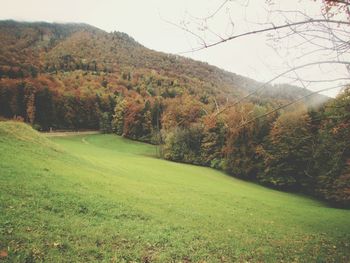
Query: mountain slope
28, 48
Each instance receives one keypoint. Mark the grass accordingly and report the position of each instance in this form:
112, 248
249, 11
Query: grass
101, 198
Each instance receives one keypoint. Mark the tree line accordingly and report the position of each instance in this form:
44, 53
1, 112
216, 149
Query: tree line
300, 149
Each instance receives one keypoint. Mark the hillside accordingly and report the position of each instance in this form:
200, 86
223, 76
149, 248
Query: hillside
43, 48
105, 198
80, 61
76, 77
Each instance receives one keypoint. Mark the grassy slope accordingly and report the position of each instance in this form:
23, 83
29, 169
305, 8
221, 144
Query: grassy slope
103, 198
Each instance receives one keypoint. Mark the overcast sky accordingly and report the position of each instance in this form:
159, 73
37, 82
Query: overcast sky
146, 21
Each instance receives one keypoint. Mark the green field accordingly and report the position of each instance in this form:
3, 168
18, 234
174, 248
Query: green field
101, 198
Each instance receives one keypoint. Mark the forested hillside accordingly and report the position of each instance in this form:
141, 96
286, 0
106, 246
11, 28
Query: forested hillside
69, 75
75, 76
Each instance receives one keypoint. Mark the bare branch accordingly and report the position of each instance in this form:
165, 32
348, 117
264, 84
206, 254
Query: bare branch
184, 28
273, 28
340, 2
214, 13
321, 80
277, 77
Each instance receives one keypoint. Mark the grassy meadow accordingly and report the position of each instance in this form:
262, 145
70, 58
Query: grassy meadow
102, 198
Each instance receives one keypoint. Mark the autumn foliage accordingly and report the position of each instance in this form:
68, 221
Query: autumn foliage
76, 77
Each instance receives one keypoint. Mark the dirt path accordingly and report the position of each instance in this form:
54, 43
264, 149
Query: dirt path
69, 133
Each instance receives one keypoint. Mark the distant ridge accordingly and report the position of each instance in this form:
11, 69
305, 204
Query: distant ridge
46, 47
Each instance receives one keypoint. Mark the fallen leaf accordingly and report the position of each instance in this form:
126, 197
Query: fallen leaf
3, 254
57, 244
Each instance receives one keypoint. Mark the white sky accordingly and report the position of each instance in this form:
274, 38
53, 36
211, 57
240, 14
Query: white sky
145, 21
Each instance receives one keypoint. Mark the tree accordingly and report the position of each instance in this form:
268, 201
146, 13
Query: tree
105, 122
44, 108
331, 168
118, 117
147, 127
181, 112
30, 104
5, 99
288, 152
21, 100
184, 144
241, 159
214, 138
